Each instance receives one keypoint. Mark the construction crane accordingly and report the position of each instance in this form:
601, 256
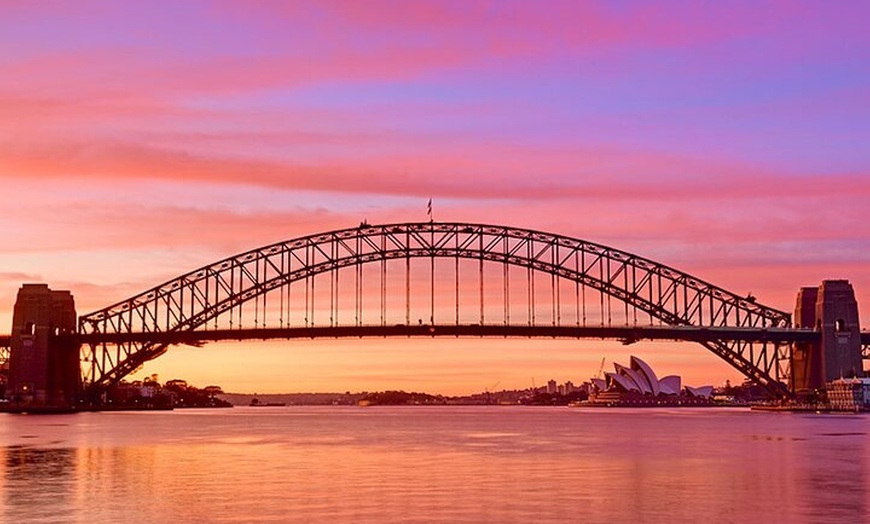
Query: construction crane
491, 388
600, 368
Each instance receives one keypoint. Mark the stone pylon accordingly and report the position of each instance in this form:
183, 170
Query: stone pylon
830, 309
44, 372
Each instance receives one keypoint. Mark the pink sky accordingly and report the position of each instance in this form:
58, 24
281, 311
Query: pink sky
139, 140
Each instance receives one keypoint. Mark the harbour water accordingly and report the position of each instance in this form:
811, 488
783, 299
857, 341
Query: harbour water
435, 464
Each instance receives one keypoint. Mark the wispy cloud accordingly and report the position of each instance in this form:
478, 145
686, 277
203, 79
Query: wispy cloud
498, 172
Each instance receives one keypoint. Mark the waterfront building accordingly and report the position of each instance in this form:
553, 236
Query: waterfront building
638, 385
849, 394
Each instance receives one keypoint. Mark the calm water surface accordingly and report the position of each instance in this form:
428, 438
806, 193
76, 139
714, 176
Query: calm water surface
435, 464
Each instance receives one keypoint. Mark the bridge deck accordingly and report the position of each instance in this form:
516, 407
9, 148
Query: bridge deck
626, 334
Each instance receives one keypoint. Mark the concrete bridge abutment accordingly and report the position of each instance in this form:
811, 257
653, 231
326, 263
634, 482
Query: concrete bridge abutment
830, 309
44, 373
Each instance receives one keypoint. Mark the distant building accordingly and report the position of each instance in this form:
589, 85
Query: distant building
551, 387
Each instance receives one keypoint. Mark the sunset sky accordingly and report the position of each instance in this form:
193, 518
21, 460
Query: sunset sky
139, 140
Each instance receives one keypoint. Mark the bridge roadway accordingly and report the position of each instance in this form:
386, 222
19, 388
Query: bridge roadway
623, 333
627, 334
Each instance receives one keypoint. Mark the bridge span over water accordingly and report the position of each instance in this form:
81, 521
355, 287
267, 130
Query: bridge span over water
429, 279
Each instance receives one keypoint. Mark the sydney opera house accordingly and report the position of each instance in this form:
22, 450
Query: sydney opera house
638, 385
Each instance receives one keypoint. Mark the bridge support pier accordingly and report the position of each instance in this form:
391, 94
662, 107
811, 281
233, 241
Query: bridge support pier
44, 374
832, 310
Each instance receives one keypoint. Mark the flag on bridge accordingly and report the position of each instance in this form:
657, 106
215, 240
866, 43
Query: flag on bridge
430, 210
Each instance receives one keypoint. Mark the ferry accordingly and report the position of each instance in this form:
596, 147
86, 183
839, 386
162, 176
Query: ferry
255, 403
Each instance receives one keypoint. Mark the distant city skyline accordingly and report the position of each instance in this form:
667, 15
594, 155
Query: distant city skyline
142, 140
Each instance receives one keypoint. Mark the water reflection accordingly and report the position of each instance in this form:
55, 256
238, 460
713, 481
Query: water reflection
837, 492
39, 483
436, 465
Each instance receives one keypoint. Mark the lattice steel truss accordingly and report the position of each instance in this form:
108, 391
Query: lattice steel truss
645, 291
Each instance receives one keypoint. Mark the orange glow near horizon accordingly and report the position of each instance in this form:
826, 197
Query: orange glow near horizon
437, 366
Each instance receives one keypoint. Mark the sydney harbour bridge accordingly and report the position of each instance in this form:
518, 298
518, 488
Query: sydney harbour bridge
428, 279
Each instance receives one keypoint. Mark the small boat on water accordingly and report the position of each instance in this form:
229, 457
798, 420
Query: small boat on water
255, 403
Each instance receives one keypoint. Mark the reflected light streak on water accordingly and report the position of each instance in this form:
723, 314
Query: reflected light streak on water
434, 464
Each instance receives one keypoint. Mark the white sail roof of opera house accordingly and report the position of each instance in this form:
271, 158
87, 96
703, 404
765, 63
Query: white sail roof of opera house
623, 381
648, 373
641, 378
703, 391
670, 385
599, 383
638, 382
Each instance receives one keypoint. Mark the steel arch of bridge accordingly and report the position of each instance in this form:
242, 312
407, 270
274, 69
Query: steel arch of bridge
193, 300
